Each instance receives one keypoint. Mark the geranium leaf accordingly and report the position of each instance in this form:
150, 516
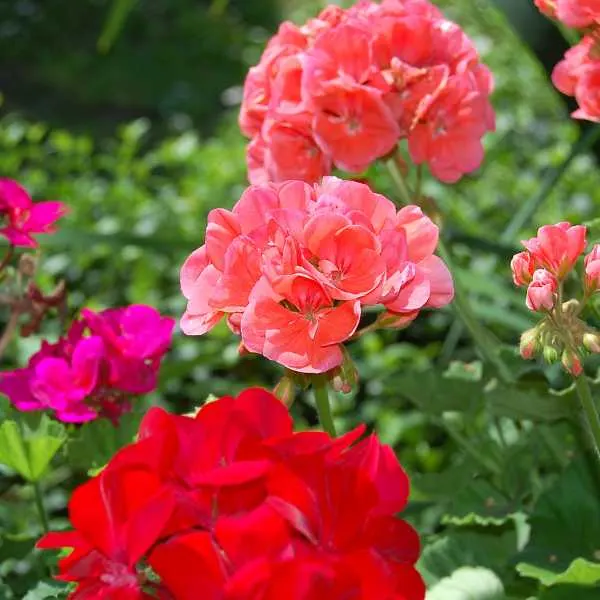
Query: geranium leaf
468, 583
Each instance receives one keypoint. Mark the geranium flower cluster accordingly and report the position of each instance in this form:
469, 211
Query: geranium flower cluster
578, 74
21, 218
94, 370
549, 259
292, 265
231, 504
343, 90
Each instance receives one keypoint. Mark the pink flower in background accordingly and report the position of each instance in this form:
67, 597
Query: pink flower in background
592, 269
136, 339
84, 375
578, 75
291, 266
541, 293
547, 7
578, 13
556, 248
22, 217
345, 88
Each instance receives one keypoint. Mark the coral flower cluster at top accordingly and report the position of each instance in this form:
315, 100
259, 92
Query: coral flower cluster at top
578, 74
93, 371
232, 505
343, 89
22, 217
292, 265
549, 259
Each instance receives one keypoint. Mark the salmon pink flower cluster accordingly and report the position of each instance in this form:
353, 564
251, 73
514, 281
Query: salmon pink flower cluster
578, 74
550, 257
292, 265
343, 90
93, 371
231, 504
21, 218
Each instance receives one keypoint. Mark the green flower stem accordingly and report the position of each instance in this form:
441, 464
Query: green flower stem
323, 405
399, 181
590, 411
37, 492
481, 336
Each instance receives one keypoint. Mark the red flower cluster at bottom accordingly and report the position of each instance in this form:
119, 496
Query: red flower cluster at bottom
232, 504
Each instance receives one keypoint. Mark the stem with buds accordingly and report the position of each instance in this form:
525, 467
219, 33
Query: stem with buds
323, 406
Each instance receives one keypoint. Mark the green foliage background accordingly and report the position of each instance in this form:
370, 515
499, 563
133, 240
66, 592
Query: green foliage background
139, 138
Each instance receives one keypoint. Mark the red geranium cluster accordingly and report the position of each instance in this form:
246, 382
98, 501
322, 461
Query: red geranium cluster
93, 371
22, 217
232, 505
292, 265
344, 88
578, 74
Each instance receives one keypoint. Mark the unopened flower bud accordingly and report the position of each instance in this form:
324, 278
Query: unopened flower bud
550, 354
522, 266
592, 342
529, 343
541, 293
390, 320
345, 377
27, 265
572, 363
285, 390
571, 307
592, 270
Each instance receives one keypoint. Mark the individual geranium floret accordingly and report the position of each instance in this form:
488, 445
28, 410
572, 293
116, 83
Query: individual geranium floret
24, 218
548, 7
541, 293
522, 266
592, 270
556, 248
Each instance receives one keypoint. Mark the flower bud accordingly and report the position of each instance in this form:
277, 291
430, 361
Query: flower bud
390, 320
592, 270
285, 390
27, 265
345, 377
541, 293
572, 363
591, 341
550, 354
522, 266
571, 307
529, 343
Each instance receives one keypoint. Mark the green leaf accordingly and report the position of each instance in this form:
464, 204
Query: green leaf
30, 451
119, 11
530, 401
468, 583
569, 592
479, 503
44, 590
435, 393
96, 442
565, 530
580, 572
491, 548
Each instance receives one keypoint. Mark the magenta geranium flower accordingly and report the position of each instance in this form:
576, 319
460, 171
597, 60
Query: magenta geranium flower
24, 218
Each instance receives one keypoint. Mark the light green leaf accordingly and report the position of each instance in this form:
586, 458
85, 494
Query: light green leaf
119, 11
468, 583
580, 572
30, 451
44, 590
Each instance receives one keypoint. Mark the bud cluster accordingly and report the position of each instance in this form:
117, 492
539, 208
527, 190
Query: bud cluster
549, 259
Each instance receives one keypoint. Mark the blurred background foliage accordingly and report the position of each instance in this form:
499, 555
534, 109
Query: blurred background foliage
130, 118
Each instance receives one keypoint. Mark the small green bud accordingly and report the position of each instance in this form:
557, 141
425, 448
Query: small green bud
591, 341
550, 354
